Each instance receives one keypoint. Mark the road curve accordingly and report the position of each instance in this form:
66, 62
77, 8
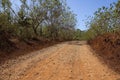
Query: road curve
66, 61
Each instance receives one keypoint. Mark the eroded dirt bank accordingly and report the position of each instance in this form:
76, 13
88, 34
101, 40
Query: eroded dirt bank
65, 61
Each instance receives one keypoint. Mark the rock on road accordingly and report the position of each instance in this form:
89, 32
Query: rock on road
66, 61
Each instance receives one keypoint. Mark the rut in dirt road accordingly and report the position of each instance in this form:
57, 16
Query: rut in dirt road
65, 61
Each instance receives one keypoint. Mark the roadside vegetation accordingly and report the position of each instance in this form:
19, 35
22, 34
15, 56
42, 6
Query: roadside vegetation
35, 24
44, 22
104, 34
36, 20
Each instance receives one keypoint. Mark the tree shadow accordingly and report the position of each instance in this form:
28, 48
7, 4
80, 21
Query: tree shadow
79, 43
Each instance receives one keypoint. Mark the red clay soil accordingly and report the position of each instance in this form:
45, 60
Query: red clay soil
20, 48
107, 46
73, 60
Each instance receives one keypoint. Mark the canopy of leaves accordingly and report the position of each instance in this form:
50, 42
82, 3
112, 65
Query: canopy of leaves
106, 19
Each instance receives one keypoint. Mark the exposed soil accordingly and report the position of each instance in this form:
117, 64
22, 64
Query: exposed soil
108, 47
20, 48
66, 61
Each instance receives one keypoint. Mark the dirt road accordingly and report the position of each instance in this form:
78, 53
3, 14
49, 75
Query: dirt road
65, 61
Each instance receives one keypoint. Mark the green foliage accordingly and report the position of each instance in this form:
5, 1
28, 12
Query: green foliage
50, 19
105, 20
6, 31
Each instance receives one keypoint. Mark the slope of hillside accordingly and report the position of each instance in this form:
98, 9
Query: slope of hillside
108, 46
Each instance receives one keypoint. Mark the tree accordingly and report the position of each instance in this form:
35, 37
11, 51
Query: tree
106, 19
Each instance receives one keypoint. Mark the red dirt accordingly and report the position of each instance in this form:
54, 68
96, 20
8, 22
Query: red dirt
22, 48
66, 61
108, 46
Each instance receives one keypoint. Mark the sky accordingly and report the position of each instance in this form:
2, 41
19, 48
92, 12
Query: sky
86, 8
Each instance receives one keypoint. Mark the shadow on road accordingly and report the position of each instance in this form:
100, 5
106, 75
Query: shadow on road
79, 43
